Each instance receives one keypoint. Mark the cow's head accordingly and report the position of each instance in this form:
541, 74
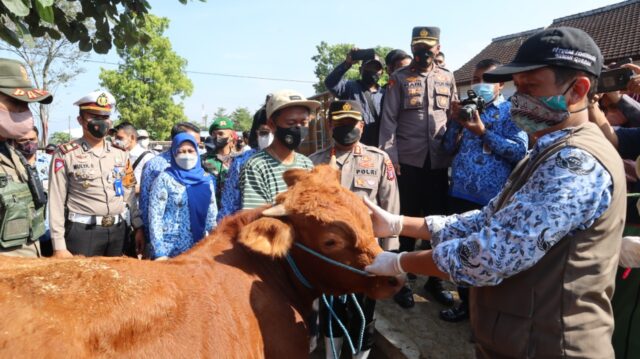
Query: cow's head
319, 213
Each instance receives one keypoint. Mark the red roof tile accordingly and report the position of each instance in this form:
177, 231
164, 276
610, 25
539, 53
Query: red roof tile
615, 28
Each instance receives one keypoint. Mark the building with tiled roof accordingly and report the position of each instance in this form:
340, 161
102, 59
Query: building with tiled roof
615, 28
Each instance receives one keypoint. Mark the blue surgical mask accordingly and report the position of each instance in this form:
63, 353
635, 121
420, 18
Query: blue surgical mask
485, 91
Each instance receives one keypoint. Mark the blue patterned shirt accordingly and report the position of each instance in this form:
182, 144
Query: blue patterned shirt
482, 164
567, 193
231, 200
150, 172
169, 223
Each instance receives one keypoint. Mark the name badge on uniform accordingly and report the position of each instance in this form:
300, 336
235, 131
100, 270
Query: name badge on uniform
117, 186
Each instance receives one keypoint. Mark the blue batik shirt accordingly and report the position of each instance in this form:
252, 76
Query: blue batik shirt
482, 164
567, 193
150, 172
169, 221
231, 200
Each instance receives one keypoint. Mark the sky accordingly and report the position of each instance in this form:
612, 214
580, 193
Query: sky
276, 39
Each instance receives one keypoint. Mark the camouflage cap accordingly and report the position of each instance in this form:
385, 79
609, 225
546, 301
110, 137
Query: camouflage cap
15, 83
221, 123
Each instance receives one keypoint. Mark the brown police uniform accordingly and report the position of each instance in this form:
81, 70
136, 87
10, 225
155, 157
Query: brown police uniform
85, 214
367, 171
414, 120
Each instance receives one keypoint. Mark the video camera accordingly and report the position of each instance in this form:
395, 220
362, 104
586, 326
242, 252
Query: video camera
472, 103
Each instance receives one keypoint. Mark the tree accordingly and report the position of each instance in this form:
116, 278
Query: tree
220, 112
330, 56
242, 118
118, 22
149, 81
60, 137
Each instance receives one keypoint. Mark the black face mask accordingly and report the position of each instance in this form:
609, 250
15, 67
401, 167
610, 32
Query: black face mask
423, 57
98, 128
221, 141
370, 78
291, 137
346, 135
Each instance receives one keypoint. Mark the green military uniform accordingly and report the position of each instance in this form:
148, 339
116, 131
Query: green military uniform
21, 219
218, 164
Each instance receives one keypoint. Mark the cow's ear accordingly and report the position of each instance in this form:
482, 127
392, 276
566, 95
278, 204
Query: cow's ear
292, 176
268, 236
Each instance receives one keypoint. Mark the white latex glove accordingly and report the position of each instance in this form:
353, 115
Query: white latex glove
163, 258
385, 224
386, 263
630, 252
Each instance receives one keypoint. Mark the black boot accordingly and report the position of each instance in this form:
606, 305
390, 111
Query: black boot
434, 287
404, 298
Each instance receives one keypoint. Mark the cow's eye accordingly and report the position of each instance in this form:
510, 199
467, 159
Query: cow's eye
330, 243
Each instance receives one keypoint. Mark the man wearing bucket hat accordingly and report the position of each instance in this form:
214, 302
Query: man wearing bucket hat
23, 216
91, 183
368, 172
288, 114
541, 257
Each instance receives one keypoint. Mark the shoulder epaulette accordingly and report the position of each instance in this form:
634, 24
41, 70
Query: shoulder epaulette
68, 147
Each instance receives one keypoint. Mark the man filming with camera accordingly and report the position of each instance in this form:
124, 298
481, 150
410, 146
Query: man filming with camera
364, 90
487, 145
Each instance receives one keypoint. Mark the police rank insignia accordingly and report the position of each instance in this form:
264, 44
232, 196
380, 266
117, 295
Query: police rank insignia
346, 107
424, 33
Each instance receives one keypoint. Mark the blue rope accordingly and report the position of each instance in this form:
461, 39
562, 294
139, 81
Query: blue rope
333, 345
362, 320
332, 261
297, 272
332, 314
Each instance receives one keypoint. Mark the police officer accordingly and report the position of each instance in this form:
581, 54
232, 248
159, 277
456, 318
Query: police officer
90, 184
217, 163
366, 171
23, 217
415, 112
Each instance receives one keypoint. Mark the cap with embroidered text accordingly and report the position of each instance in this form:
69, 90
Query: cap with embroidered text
15, 83
560, 46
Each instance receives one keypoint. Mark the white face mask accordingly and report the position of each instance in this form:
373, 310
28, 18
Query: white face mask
265, 141
144, 143
186, 161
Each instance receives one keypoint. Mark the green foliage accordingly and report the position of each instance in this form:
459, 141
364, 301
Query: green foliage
330, 56
117, 22
220, 112
59, 138
149, 81
242, 119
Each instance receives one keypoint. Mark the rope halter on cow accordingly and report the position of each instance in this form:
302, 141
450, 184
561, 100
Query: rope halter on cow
279, 211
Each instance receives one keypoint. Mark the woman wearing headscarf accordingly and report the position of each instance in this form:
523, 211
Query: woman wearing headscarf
184, 203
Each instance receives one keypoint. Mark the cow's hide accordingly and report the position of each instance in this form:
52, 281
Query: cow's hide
232, 295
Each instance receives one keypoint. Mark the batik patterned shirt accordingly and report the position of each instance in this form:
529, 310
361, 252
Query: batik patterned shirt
150, 172
231, 200
567, 193
482, 164
169, 221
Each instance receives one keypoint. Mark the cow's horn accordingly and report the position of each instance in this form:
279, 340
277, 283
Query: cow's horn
333, 162
275, 211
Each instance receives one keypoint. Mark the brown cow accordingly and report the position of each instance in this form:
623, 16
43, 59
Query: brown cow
231, 296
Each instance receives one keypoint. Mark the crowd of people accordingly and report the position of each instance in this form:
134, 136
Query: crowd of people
519, 201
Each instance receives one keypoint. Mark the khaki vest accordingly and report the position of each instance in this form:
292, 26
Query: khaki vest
561, 306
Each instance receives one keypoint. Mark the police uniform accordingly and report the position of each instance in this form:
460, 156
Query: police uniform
365, 171
22, 218
217, 164
89, 191
414, 120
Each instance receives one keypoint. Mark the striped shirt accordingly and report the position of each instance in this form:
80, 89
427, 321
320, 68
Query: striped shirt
261, 178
